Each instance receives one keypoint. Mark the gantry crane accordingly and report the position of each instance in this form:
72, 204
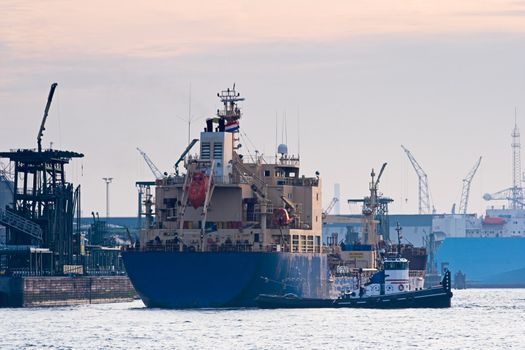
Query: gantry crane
465, 192
424, 197
156, 172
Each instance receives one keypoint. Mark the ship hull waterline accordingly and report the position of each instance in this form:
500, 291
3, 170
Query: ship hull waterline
431, 298
181, 280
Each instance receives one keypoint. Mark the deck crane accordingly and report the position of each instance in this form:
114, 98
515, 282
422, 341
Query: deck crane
424, 197
465, 192
46, 111
186, 151
156, 172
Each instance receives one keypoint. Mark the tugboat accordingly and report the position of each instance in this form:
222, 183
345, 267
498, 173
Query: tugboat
388, 288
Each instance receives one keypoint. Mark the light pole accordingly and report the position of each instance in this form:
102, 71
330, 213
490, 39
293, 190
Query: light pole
108, 181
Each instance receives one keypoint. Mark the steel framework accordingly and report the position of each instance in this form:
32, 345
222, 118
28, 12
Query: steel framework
465, 192
424, 197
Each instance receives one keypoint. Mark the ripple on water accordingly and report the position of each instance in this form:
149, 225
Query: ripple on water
478, 319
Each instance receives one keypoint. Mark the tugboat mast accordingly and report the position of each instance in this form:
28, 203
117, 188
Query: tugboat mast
398, 230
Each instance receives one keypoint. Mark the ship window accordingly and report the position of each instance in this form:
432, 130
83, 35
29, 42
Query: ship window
256, 238
317, 196
290, 196
217, 150
205, 150
395, 265
267, 173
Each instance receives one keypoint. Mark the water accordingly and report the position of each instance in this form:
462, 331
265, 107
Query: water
479, 319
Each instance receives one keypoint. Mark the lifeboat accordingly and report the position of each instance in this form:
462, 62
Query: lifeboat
197, 189
493, 220
281, 217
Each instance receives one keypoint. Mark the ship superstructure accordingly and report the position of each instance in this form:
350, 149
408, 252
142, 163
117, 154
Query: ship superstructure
228, 212
225, 203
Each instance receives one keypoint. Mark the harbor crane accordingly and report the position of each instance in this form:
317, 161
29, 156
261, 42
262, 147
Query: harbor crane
328, 210
505, 195
156, 172
465, 192
424, 196
514, 194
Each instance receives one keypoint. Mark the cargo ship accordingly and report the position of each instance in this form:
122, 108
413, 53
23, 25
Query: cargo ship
230, 227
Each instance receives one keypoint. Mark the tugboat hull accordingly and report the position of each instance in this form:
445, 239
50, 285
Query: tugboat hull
430, 298
437, 297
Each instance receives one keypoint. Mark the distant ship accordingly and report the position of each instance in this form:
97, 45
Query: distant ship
230, 228
492, 252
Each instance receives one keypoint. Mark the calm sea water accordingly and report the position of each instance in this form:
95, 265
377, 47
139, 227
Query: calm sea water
479, 319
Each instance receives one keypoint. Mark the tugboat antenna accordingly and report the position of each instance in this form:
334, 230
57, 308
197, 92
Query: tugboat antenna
398, 230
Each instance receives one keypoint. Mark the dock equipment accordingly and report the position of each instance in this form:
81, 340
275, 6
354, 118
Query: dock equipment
424, 194
156, 172
514, 194
465, 192
42, 209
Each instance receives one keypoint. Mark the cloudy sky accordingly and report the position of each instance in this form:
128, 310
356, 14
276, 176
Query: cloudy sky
355, 80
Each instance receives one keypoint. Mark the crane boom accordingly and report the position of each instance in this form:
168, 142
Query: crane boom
424, 197
186, 151
380, 173
46, 111
504, 195
156, 172
333, 202
465, 192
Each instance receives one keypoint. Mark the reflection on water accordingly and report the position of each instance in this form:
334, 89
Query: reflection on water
479, 319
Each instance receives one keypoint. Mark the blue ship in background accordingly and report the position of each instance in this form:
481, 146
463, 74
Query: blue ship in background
487, 262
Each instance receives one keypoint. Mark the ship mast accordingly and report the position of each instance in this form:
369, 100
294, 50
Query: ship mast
370, 208
230, 115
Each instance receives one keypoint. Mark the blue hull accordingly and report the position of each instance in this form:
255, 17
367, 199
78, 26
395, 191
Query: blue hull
487, 262
223, 279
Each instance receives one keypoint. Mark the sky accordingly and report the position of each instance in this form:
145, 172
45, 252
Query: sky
352, 81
